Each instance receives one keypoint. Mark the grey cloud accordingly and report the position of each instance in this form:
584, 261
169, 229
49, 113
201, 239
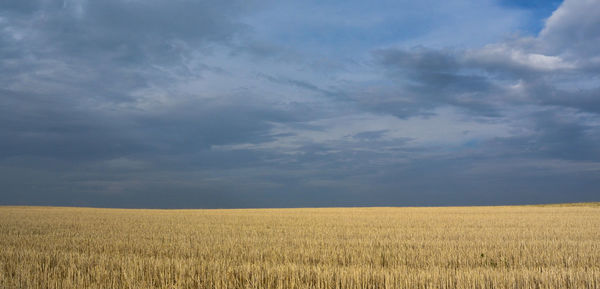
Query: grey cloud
486, 80
370, 135
177, 104
41, 125
69, 65
124, 28
301, 84
555, 135
581, 99
430, 78
45, 126
418, 60
547, 79
115, 44
194, 126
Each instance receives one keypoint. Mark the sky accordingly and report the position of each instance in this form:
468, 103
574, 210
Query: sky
262, 103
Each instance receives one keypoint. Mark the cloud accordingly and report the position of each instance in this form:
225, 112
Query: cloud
573, 31
239, 104
541, 70
504, 57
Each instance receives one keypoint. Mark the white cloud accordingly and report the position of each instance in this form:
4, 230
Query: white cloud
573, 29
506, 55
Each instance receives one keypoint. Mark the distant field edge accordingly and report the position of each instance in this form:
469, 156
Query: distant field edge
579, 204
574, 204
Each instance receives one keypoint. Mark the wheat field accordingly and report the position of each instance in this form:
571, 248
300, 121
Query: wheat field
449, 247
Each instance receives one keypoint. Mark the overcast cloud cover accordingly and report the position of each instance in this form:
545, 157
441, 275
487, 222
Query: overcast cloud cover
260, 103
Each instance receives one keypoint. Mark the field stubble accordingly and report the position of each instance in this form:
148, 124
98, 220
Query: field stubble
454, 247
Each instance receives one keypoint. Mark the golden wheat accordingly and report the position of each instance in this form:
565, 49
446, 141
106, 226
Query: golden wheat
457, 247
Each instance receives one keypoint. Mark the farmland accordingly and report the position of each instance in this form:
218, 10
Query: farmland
445, 247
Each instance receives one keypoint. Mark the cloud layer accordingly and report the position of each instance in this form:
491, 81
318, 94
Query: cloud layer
262, 103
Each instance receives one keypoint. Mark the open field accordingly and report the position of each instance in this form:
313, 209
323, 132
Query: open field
453, 247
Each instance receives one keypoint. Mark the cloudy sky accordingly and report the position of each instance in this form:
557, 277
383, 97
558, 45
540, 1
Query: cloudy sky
263, 103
